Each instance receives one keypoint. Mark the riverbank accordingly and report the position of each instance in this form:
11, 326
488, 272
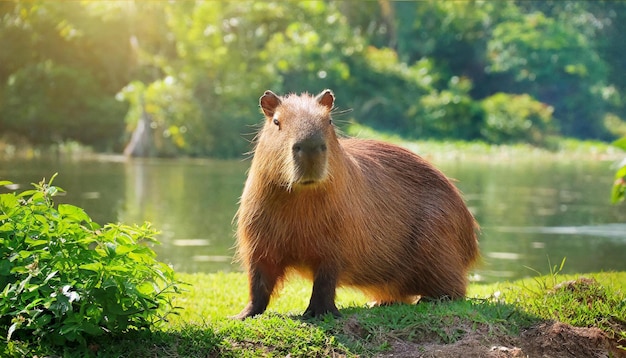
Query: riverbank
555, 148
554, 315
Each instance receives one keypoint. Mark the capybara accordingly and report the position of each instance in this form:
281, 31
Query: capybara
347, 212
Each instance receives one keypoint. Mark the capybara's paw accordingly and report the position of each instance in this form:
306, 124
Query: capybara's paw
249, 311
241, 315
321, 310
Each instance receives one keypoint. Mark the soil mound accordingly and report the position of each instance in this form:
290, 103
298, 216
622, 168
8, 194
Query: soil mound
545, 340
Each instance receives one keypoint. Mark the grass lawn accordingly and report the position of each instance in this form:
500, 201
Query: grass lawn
556, 147
495, 315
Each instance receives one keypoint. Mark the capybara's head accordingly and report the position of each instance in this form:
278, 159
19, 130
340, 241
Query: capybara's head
297, 138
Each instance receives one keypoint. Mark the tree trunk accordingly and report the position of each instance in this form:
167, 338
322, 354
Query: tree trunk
140, 144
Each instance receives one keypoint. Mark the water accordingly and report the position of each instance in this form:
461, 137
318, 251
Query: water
533, 213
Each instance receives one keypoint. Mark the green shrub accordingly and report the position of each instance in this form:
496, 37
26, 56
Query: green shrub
515, 118
449, 113
64, 277
618, 194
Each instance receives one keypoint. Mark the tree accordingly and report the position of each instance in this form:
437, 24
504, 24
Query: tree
227, 54
61, 74
554, 62
452, 33
187, 75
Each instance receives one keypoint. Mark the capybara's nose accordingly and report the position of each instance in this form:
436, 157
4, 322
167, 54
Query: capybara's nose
310, 145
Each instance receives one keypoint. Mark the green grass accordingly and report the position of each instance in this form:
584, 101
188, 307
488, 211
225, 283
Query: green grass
556, 147
203, 329
592, 300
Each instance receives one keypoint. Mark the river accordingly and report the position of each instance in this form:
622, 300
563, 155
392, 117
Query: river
533, 212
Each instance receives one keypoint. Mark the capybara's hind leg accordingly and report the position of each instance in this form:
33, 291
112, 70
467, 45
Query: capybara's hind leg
323, 295
452, 289
262, 282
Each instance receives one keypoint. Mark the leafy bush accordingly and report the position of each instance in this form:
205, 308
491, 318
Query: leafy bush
64, 277
553, 61
449, 113
515, 118
618, 194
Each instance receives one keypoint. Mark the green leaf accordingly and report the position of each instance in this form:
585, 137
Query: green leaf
92, 329
5, 267
73, 212
93, 225
146, 288
621, 172
42, 219
124, 249
43, 320
118, 268
34, 243
7, 227
95, 266
8, 201
620, 143
27, 193
618, 192
5, 182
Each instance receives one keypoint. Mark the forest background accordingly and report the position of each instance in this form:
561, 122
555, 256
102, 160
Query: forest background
185, 76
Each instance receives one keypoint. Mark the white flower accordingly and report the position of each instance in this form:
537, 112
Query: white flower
71, 295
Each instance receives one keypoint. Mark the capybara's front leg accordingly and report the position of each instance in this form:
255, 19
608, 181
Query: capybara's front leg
261, 284
323, 296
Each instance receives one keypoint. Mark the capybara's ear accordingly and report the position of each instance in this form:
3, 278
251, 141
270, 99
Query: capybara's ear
268, 102
326, 98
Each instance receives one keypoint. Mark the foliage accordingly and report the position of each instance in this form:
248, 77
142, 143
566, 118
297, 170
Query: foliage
171, 112
449, 113
618, 194
194, 70
512, 118
65, 278
391, 92
552, 61
57, 82
452, 32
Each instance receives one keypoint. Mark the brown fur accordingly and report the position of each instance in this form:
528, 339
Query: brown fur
351, 212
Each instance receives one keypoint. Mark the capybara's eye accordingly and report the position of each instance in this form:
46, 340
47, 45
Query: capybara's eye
276, 121
330, 121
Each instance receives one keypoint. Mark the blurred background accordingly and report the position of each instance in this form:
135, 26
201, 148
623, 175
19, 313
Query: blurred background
499, 71
536, 88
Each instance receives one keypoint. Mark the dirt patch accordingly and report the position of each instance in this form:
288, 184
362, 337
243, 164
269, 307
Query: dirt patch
545, 340
562, 340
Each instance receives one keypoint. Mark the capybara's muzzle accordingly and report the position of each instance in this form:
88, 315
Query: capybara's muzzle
310, 159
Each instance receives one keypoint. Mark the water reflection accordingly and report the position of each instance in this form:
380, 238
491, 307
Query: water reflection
617, 231
192, 202
535, 213
532, 213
